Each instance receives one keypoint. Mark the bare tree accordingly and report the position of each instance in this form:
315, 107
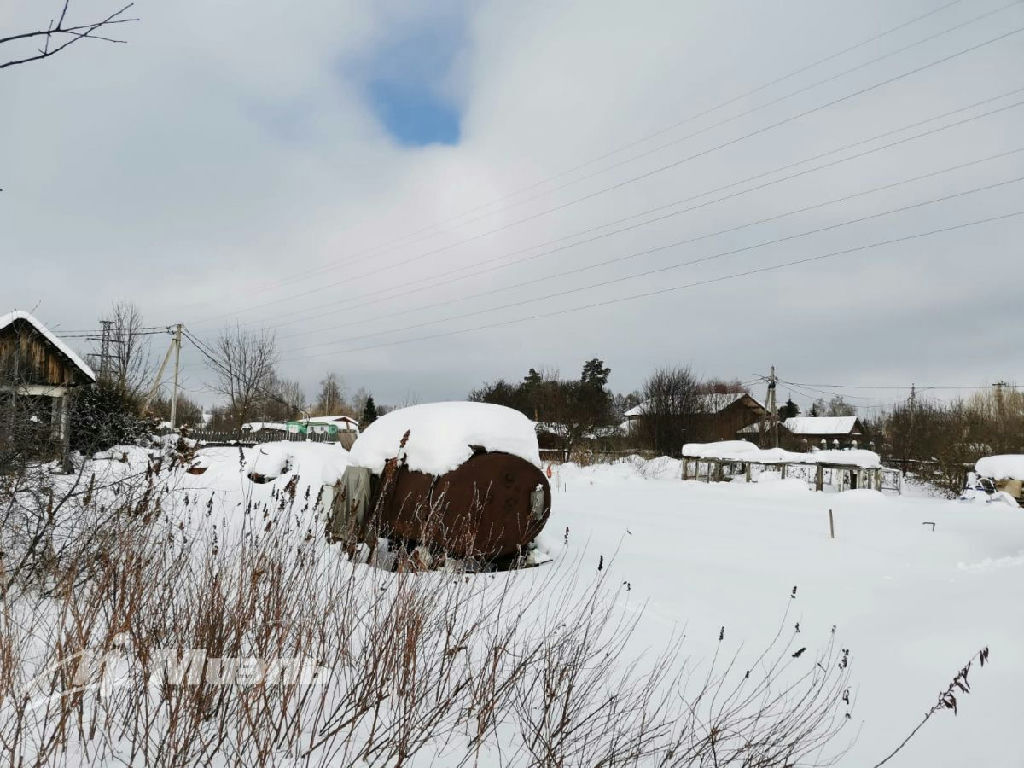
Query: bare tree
245, 369
130, 368
331, 398
59, 33
671, 398
190, 413
358, 401
281, 400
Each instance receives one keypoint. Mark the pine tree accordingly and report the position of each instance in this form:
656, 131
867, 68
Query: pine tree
789, 410
369, 412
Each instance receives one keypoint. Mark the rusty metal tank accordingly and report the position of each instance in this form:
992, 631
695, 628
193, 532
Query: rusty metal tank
490, 507
451, 479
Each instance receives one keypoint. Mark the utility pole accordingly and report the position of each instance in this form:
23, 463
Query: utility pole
101, 359
174, 391
105, 326
913, 403
773, 411
174, 345
1001, 413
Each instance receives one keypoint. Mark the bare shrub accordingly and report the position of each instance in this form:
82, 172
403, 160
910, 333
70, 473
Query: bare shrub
116, 653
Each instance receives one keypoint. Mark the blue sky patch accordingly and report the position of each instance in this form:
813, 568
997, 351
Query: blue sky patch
406, 78
412, 114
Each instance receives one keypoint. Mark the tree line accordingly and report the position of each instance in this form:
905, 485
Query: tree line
245, 377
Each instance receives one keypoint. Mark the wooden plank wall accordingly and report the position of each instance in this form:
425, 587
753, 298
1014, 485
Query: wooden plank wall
30, 357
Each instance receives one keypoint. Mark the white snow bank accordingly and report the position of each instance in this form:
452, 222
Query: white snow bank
741, 450
315, 463
1005, 467
440, 436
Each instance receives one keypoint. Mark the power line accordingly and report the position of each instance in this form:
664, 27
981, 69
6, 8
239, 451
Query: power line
662, 131
698, 238
420, 285
684, 286
660, 270
681, 161
896, 386
777, 100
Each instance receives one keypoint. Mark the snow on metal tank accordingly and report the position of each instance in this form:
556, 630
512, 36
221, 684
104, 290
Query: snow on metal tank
462, 479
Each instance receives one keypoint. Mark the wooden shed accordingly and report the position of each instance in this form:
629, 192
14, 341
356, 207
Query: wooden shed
38, 373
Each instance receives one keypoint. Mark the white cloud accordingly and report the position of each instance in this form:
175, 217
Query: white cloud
224, 153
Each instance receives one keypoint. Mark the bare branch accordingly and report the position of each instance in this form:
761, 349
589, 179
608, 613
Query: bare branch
56, 37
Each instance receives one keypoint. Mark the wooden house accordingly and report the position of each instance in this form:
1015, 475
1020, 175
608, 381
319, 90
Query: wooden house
716, 416
825, 431
331, 429
38, 374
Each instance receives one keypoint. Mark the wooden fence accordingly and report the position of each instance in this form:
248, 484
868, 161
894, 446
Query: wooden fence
819, 475
210, 438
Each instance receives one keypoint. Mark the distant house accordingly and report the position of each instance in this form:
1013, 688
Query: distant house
720, 416
340, 429
825, 431
265, 427
38, 374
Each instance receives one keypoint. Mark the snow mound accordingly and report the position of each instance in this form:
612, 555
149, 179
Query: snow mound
742, 450
1005, 467
440, 436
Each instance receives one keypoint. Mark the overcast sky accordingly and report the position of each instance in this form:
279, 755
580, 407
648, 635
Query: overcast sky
400, 189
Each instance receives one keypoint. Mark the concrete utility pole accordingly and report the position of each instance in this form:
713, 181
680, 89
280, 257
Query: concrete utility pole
1001, 412
913, 404
174, 391
174, 345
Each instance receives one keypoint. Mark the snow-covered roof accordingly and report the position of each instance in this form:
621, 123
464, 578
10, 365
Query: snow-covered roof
328, 420
820, 425
715, 401
440, 436
724, 399
256, 426
65, 350
1005, 467
741, 450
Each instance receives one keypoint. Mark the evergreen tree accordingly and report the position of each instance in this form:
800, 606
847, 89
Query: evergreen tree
369, 412
595, 374
789, 410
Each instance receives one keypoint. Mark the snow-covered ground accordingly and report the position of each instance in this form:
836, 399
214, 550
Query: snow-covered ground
912, 601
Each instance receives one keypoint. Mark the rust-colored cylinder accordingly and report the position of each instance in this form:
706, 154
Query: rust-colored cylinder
490, 507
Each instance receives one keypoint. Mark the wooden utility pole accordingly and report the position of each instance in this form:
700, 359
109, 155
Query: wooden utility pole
174, 391
773, 411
